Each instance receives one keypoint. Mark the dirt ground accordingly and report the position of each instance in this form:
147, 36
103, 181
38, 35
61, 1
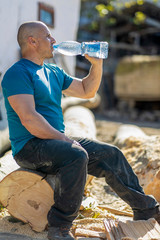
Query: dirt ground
98, 189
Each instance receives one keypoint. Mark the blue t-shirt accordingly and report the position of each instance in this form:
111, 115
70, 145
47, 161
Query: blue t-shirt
45, 83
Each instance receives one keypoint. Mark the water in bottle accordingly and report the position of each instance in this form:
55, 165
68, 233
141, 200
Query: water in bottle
93, 49
70, 48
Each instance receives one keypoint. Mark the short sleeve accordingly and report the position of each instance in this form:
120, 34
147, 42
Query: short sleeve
67, 80
64, 79
17, 81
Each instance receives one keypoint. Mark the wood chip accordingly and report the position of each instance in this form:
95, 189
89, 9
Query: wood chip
89, 233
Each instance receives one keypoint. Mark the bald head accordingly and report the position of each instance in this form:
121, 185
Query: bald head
28, 29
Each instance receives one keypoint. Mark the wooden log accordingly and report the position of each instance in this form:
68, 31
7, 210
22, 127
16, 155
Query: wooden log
4, 133
28, 195
4, 141
125, 131
154, 186
129, 83
91, 103
80, 122
142, 152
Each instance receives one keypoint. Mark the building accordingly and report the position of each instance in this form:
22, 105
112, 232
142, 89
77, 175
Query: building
62, 18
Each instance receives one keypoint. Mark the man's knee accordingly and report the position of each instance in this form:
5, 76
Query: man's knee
81, 156
113, 151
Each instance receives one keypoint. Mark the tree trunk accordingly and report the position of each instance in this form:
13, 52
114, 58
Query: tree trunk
27, 194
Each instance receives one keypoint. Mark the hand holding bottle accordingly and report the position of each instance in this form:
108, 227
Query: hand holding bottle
93, 60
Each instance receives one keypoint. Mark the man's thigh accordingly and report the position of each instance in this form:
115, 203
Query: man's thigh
47, 155
98, 152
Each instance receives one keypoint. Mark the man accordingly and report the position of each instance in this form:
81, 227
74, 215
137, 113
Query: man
32, 92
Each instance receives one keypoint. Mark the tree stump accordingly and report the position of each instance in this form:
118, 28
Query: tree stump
28, 195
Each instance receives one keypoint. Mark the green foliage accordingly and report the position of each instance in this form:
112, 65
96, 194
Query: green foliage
140, 2
103, 10
96, 215
139, 18
116, 5
94, 26
102, 14
111, 21
129, 4
1, 207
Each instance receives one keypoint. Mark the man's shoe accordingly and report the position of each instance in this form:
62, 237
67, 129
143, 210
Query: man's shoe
60, 233
157, 216
147, 213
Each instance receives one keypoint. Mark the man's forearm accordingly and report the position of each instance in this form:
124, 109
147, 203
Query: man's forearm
92, 82
37, 125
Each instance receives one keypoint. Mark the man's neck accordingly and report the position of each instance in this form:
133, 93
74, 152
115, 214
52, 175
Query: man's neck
35, 59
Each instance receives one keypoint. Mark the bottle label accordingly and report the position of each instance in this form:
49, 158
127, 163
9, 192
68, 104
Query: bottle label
91, 48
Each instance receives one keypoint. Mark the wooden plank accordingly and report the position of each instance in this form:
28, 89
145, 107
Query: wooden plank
89, 233
116, 211
142, 229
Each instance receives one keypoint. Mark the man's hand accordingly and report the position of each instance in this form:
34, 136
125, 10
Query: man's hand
76, 143
72, 141
93, 60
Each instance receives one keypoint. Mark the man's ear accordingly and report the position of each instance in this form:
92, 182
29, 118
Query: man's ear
31, 40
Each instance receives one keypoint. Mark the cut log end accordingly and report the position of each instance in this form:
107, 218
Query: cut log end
28, 197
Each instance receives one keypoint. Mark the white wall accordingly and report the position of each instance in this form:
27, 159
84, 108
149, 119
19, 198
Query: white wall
15, 12
8, 27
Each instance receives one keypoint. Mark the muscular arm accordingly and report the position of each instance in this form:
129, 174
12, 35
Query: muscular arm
88, 86
24, 106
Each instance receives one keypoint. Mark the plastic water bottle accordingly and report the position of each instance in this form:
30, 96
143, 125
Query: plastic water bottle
93, 49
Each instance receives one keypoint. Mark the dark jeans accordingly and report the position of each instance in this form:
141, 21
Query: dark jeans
71, 163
